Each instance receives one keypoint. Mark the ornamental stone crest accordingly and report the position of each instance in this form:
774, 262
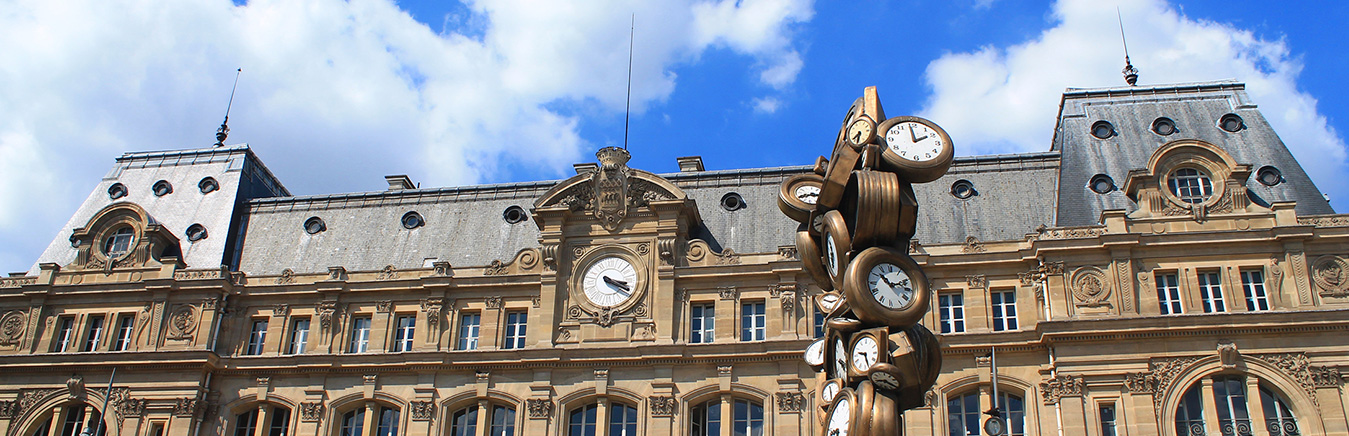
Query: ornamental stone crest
12, 326
539, 408
423, 410
182, 322
1331, 274
1090, 287
1061, 386
791, 402
662, 405
311, 412
611, 187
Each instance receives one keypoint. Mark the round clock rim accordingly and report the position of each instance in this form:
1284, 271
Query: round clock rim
835, 337
806, 355
835, 226
582, 265
853, 110
888, 368
866, 398
869, 138
793, 207
852, 352
867, 308
849, 393
912, 170
812, 259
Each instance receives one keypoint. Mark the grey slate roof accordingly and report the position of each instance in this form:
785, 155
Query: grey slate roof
1195, 108
239, 173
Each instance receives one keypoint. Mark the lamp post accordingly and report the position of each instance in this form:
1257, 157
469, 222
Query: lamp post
103, 412
994, 425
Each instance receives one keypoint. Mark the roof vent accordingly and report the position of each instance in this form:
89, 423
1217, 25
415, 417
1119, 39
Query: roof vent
690, 164
399, 182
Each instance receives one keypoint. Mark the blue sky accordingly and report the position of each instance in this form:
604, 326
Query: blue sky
337, 94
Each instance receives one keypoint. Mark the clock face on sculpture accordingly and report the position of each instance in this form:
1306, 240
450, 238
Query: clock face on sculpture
840, 356
814, 354
610, 281
839, 420
885, 286
865, 353
917, 149
830, 390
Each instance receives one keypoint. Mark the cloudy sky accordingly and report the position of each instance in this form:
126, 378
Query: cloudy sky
335, 95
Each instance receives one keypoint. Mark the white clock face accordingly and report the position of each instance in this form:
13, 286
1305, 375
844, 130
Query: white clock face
828, 392
840, 358
610, 281
914, 141
839, 420
808, 194
890, 286
828, 302
865, 353
831, 254
815, 353
885, 380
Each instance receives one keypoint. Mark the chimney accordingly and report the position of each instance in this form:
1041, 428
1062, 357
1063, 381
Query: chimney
399, 182
690, 164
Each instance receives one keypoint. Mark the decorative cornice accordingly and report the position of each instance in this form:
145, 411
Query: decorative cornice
1062, 386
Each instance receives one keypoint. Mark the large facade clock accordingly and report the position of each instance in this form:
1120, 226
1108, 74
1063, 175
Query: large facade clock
609, 279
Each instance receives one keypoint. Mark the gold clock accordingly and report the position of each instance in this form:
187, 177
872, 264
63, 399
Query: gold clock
882, 208
829, 302
842, 414
868, 348
861, 131
885, 286
836, 177
811, 260
837, 244
797, 196
917, 149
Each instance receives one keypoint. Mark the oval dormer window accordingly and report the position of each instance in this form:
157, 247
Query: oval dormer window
1164, 126
119, 243
732, 201
1190, 185
514, 214
116, 191
1102, 130
314, 225
1102, 184
412, 220
1231, 123
162, 188
963, 189
208, 185
196, 232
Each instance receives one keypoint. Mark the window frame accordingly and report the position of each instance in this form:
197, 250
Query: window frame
705, 418
299, 338
517, 322
702, 322
65, 329
1169, 297
749, 417
1211, 290
359, 340
93, 332
126, 328
951, 316
468, 335
507, 425
753, 324
1004, 320
405, 332
1253, 285
257, 338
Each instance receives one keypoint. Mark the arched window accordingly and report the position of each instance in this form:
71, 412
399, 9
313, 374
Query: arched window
622, 420
1190, 413
119, 243
1190, 185
963, 414
705, 419
1230, 393
75, 419
748, 418
1278, 417
464, 422
503, 421
249, 422
582, 421
386, 422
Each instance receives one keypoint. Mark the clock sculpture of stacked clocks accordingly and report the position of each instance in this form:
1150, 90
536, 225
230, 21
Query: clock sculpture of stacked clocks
858, 213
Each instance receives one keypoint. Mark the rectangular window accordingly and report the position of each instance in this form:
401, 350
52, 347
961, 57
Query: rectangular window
257, 338
360, 335
1211, 292
1004, 310
1168, 294
952, 309
819, 323
407, 328
753, 323
1107, 420
299, 336
468, 331
95, 333
1253, 281
702, 323
124, 325
515, 329
64, 329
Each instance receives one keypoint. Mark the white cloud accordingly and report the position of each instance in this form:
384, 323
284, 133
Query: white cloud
336, 94
1005, 99
766, 105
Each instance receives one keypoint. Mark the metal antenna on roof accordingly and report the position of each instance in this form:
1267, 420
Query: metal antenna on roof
627, 111
224, 130
1130, 73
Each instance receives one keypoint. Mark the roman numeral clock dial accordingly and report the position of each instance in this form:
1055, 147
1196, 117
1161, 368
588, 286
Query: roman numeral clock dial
609, 281
886, 287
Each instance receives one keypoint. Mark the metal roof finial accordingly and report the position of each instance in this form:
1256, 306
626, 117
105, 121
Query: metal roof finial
627, 111
224, 130
1130, 73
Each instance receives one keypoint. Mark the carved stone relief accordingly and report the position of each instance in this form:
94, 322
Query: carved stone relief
311, 412
1228, 355
977, 281
728, 292
493, 302
1125, 283
1061, 386
433, 307
9, 409
182, 322
539, 408
384, 306
972, 245
188, 408
662, 405
423, 410
12, 326
287, 277
791, 402
1090, 287
388, 273
327, 314
1331, 274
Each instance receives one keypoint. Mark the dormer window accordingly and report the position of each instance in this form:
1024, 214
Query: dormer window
1102, 130
119, 242
1164, 126
1190, 185
162, 188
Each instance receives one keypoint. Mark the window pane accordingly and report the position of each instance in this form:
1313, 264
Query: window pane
468, 331
299, 336
503, 421
246, 423
388, 422
1253, 283
124, 326
95, 333
515, 330
257, 338
352, 423
748, 418
360, 335
706, 419
280, 422
622, 420
406, 331
464, 422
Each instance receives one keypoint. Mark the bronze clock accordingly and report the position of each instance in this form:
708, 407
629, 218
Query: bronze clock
885, 286
917, 149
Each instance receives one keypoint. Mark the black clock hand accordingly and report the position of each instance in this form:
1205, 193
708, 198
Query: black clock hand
617, 283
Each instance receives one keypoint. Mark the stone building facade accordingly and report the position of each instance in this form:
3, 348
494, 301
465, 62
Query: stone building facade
1166, 268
